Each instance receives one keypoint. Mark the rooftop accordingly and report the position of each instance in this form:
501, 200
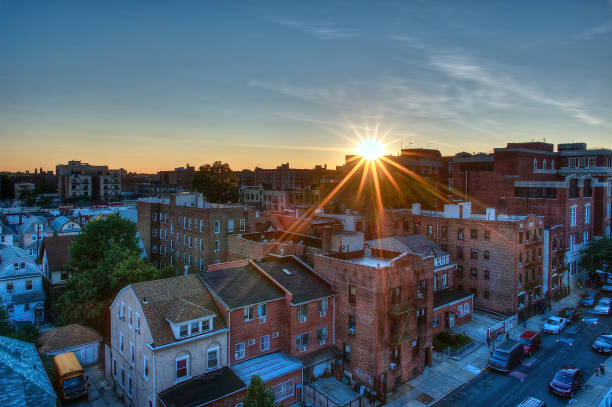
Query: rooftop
241, 286
268, 367
448, 295
295, 277
416, 243
66, 337
57, 249
175, 297
23, 381
203, 389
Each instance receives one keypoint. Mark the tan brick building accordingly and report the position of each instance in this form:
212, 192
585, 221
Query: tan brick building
499, 258
184, 231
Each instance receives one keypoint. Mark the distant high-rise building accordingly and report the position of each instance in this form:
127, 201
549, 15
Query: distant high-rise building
81, 179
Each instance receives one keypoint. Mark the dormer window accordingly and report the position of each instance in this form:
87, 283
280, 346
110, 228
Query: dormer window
191, 328
183, 330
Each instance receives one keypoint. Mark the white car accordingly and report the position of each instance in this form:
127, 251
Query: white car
554, 325
603, 306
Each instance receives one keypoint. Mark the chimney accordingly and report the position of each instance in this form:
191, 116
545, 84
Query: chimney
326, 235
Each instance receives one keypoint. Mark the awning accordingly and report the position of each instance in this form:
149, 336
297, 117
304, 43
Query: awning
320, 356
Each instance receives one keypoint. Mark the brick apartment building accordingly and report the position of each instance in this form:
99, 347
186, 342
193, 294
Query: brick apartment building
95, 181
184, 231
179, 179
569, 187
277, 199
383, 314
279, 313
499, 258
281, 177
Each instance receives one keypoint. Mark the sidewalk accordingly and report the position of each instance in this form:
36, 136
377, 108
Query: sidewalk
595, 388
441, 379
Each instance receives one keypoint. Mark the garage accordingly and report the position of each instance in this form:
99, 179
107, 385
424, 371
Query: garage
85, 342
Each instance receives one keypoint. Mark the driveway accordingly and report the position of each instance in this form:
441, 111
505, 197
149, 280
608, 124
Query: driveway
101, 392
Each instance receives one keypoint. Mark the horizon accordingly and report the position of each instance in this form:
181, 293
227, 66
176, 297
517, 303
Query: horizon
144, 87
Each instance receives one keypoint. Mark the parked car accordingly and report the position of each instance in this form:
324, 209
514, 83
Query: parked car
566, 382
603, 344
602, 307
588, 299
532, 402
554, 325
531, 341
571, 314
506, 356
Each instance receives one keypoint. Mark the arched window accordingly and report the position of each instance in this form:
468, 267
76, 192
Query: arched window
552, 165
535, 164
544, 164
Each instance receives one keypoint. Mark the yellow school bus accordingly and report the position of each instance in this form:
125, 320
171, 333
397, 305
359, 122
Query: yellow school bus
70, 376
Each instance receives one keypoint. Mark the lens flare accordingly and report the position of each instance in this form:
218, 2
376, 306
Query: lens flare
370, 149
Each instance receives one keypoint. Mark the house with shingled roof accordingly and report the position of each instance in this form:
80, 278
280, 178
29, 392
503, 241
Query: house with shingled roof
54, 256
23, 379
164, 333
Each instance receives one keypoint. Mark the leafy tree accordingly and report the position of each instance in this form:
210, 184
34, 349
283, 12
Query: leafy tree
259, 394
597, 255
103, 259
217, 182
28, 196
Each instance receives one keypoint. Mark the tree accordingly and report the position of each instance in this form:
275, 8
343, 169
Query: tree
259, 394
597, 255
103, 259
27, 333
217, 182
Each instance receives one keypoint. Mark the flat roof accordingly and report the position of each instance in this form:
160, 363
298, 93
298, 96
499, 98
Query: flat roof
268, 367
371, 261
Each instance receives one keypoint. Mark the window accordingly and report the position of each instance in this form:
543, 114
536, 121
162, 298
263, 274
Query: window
182, 367
217, 246
145, 370
474, 234
132, 353
322, 335
239, 350
486, 274
421, 317
487, 235
137, 323
262, 312
121, 342
346, 353
195, 327
459, 271
587, 213
302, 311
302, 341
64, 275
217, 226
436, 321
212, 357
487, 254
444, 232
183, 331
248, 314
230, 225
352, 292
466, 309
190, 223
9, 288
585, 237
459, 252
520, 237
154, 215
264, 343
130, 317
429, 230
322, 308
460, 234
201, 225
352, 324
10, 308
242, 225
283, 390
473, 274
572, 242
28, 285
474, 254
114, 367
122, 376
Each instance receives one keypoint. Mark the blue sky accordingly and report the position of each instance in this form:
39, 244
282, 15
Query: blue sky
148, 86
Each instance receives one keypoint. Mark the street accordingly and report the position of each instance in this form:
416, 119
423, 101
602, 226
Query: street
531, 377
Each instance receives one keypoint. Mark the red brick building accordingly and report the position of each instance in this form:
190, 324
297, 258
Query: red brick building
184, 231
499, 257
569, 187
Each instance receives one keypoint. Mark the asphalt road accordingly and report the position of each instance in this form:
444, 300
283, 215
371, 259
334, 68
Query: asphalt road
531, 378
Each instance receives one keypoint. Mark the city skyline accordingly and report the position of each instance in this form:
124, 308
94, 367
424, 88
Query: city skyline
155, 87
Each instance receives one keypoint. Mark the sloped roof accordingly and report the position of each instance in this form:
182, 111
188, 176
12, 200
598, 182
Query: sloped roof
301, 282
59, 222
241, 286
163, 299
28, 224
58, 251
8, 254
66, 337
5, 230
23, 381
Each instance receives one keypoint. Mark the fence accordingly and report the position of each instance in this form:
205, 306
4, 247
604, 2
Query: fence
315, 398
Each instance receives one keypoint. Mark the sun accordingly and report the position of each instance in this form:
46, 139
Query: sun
370, 149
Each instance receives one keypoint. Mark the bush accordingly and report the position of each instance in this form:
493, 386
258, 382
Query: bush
445, 339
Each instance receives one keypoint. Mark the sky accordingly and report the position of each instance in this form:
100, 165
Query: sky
148, 86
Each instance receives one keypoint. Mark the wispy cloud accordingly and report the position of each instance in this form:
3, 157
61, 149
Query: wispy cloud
504, 87
591, 33
321, 29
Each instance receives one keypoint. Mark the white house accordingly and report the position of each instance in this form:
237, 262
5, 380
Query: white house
31, 234
6, 235
55, 253
64, 226
21, 287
